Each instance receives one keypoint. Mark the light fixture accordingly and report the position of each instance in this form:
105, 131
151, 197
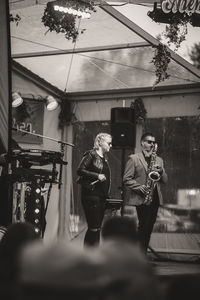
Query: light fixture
37, 230
37, 211
76, 12
51, 103
16, 99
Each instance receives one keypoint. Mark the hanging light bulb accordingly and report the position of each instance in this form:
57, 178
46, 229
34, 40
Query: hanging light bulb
56, 7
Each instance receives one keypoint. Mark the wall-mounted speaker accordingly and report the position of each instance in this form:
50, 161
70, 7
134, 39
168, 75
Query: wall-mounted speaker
123, 127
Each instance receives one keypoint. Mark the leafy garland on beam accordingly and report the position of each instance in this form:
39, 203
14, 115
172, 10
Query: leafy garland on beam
15, 18
177, 30
161, 61
140, 110
175, 33
61, 22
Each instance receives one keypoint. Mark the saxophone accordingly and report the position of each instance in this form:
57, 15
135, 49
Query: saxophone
152, 176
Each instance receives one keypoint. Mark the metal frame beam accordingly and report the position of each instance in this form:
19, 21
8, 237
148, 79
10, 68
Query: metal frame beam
116, 94
81, 50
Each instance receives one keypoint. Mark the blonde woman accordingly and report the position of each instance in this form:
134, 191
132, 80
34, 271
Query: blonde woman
94, 177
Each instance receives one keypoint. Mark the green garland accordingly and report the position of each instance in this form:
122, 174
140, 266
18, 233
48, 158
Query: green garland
195, 55
61, 22
176, 32
15, 18
161, 61
140, 110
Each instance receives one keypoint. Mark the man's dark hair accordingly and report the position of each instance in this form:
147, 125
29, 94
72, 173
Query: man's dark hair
143, 137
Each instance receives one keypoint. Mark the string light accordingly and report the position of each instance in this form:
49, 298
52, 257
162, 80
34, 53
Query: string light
37, 210
37, 230
34, 204
72, 11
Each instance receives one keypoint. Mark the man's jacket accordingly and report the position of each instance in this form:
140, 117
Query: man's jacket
135, 174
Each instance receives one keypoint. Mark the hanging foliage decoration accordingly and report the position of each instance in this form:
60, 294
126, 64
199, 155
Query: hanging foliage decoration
140, 110
177, 15
66, 114
161, 61
176, 31
62, 22
14, 19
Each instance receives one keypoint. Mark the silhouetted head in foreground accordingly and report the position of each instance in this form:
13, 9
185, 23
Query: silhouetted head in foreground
118, 227
113, 271
14, 239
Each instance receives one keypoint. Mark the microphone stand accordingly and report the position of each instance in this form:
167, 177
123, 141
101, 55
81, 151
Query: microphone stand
43, 136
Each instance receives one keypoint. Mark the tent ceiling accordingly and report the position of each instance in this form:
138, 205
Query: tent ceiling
102, 29
115, 67
15, 4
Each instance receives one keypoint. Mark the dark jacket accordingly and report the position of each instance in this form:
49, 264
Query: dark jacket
89, 169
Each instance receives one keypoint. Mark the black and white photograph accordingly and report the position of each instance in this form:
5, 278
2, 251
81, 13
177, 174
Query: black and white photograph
99, 149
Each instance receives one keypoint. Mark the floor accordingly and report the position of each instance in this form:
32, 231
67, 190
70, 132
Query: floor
176, 242
171, 268
165, 264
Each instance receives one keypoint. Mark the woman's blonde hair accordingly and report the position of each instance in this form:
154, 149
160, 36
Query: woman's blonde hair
100, 136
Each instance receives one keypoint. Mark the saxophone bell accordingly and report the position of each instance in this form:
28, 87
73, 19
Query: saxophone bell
154, 176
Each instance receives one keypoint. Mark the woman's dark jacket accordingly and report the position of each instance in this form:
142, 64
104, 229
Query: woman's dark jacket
89, 169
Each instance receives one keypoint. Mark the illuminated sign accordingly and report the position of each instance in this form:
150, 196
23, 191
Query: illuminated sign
182, 6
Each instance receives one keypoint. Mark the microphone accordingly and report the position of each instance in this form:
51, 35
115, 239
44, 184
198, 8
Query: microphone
94, 182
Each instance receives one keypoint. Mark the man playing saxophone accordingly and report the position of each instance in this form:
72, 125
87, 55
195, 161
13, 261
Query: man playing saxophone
144, 172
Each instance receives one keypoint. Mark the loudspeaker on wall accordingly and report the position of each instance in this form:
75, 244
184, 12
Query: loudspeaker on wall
123, 127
